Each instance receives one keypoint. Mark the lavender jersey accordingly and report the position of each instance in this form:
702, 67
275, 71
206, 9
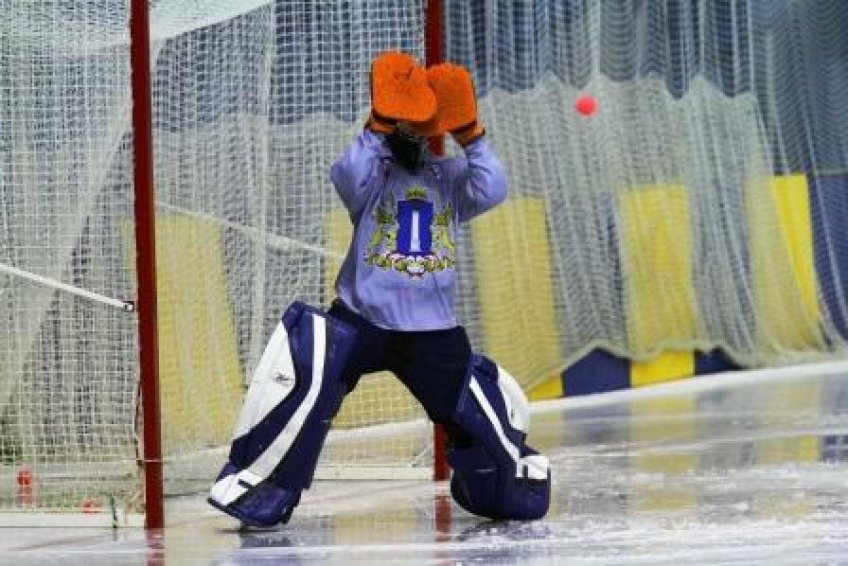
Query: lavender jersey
399, 269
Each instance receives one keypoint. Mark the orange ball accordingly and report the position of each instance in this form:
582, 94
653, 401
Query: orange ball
89, 506
586, 105
24, 477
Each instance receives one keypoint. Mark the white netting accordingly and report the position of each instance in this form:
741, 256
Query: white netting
68, 373
249, 114
699, 208
251, 104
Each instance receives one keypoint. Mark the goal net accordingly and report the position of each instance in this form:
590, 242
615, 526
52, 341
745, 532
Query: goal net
251, 104
700, 207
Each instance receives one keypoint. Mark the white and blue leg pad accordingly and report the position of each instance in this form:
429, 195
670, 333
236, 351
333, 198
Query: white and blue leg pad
295, 392
498, 476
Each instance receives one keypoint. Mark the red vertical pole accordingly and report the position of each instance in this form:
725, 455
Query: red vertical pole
145, 238
433, 55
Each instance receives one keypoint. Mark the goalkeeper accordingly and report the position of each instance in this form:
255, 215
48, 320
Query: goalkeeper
395, 305
397, 283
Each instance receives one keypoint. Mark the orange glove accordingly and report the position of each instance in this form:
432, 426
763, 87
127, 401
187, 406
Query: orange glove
457, 104
399, 92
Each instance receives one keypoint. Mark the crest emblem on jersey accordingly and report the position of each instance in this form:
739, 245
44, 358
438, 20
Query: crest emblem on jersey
410, 237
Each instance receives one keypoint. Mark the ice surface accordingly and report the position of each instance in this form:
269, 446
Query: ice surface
747, 472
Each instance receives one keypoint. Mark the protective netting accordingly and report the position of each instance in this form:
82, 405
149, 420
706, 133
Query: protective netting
68, 376
700, 207
252, 102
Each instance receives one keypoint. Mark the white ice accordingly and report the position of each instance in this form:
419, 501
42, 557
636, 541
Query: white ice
735, 469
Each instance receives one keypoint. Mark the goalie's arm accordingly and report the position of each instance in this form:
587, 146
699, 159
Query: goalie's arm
480, 180
353, 172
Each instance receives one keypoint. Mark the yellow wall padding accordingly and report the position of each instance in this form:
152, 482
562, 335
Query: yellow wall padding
667, 366
515, 290
657, 266
551, 388
379, 398
199, 371
783, 270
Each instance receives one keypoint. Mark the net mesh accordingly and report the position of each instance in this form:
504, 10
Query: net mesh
251, 103
67, 364
696, 209
700, 207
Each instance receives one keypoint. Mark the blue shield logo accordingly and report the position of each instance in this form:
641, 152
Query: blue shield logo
414, 219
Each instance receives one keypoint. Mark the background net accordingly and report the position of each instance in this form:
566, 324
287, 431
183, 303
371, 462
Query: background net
701, 207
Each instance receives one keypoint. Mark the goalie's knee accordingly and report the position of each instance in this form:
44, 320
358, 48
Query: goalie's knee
497, 475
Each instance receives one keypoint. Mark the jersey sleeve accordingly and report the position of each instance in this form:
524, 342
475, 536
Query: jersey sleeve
352, 172
480, 181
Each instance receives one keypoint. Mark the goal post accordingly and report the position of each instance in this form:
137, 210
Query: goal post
433, 56
145, 246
